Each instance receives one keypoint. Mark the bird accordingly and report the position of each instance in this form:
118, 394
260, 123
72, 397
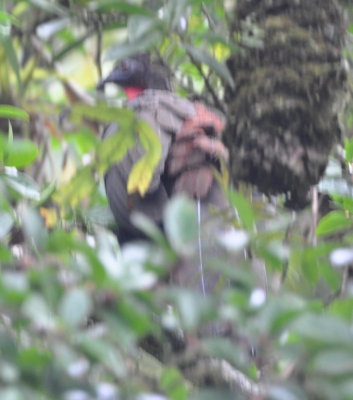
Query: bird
191, 139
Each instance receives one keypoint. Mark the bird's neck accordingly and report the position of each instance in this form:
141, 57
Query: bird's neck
132, 91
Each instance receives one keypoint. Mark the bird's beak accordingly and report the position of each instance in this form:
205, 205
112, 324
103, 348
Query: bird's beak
117, 76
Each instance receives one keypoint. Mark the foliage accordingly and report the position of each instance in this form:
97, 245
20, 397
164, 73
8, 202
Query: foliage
82, 317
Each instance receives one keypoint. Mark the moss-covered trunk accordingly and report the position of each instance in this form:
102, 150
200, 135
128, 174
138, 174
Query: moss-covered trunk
283, 112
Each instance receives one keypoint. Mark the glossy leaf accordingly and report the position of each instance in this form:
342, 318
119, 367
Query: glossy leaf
49, 6
334, 222
348, 147
244, 210
324, 330
114, 148
7, 111
142, 172
39, 313
79, 188
19, 153
34, 229
103, 113
98, 349
205, 58
181, 225
140, 26
120, 51
334, 363
22, 186
6, 223
46, 30
12, 58
173, 385
76, 307
175, 11
123, 6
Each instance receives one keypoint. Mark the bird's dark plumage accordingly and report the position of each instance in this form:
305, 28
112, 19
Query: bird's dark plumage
190, 134
139, 72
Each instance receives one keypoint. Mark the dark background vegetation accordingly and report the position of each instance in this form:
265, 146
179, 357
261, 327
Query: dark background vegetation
75, 308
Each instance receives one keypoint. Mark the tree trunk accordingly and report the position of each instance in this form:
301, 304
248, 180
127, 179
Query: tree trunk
289, 79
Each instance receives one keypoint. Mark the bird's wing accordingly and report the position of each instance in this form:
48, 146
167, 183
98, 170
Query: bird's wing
166, 114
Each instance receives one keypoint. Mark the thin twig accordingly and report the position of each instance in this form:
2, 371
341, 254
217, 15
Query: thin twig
344, 281
174, 78
314, 215
286, 241
210, 21
217, 102
98, 59
343, 287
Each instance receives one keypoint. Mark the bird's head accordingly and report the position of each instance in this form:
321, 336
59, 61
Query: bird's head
137, 73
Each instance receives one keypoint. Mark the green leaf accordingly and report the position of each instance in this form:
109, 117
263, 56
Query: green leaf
3, 142
176, 9
12, 59
10, 133
334, 363
147, 226
149, 141
103, 113
120, 51
348, 147
342, 308
103, 352
11, 393
335, 221
5, 254
34, 357
22, 186
181, 224
36, 309
13, 112
49, 6
223, 348
6, 223
19, 153
5, 24
79, 188
114, 148
142, 172
323, 329
46, 193
14, 283
136, 315
205, 58
84, 140
244, 210
172, 383
61, 242
284, 393
278, 312
140, 26
122, 6
48, 29
193, 307
75, 307
34, 229
71, 46
140, 176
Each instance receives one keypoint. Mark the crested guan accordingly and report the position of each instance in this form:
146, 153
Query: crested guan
190, 135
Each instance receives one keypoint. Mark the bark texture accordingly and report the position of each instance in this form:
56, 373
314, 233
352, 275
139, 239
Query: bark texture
289, 77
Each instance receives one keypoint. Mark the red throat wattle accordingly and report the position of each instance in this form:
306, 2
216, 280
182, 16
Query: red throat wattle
133, 92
